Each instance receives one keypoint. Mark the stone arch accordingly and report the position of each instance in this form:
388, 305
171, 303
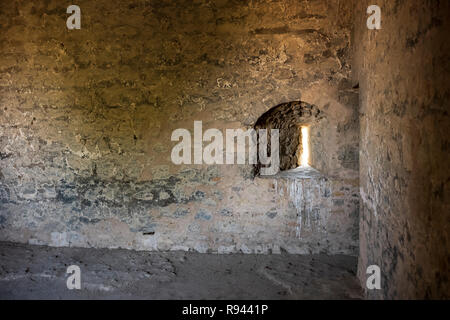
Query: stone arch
288, 118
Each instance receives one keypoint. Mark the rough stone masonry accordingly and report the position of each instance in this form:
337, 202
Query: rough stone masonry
86, 117
403, 74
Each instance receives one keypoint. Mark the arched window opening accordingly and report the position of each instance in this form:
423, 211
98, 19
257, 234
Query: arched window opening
294, 120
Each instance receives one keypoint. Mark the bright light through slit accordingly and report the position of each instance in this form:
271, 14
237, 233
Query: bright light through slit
304, 155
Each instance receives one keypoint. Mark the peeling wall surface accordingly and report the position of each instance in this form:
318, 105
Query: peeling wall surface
86, 118
403, 73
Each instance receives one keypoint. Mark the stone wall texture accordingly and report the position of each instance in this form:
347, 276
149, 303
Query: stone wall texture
403, 74
86, 118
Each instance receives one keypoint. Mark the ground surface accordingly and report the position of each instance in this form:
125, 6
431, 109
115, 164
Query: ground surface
39, 272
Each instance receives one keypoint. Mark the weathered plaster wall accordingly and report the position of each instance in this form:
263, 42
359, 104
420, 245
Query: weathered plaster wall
86, 118
403, 72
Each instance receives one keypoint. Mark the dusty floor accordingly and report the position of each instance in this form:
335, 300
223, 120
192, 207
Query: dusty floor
39, 272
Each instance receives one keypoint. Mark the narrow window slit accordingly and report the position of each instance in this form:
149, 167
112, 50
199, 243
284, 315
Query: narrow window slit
304, 147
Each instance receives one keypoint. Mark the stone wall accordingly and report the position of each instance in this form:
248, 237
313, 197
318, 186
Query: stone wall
86, 118
403, 73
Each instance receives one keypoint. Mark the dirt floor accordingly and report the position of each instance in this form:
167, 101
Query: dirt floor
39, 272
